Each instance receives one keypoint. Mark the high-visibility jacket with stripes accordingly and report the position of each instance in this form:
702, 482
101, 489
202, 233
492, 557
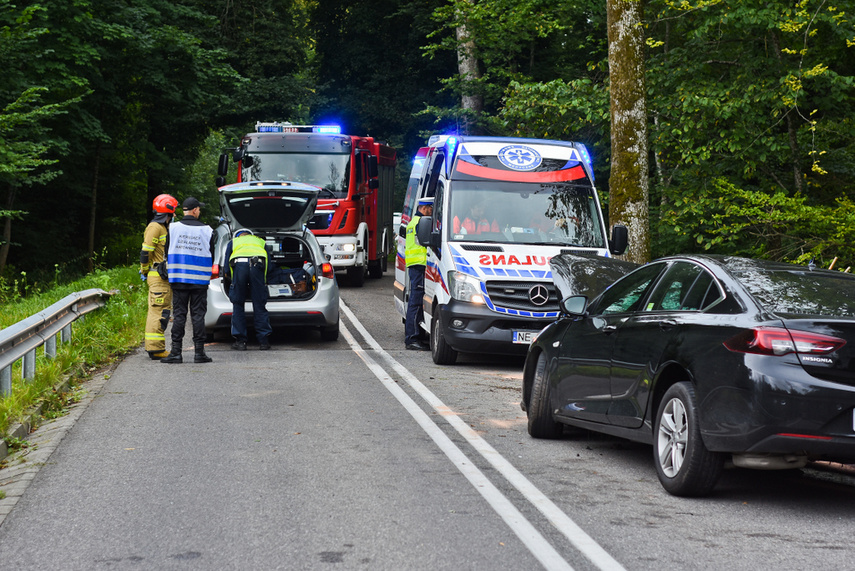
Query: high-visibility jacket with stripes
189, 256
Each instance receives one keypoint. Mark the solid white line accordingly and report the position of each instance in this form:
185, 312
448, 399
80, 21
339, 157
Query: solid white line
531, 538
575, 534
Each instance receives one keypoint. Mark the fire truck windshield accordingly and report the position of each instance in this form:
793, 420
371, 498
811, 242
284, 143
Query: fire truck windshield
329, 172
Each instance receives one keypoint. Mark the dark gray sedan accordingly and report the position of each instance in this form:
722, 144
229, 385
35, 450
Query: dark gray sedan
709, 359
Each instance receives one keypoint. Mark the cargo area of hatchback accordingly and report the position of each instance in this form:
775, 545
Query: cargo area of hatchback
291, 271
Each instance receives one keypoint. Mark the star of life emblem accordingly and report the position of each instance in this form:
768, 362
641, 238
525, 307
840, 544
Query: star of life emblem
519, 157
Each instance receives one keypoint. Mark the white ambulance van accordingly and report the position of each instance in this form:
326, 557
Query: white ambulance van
502, 208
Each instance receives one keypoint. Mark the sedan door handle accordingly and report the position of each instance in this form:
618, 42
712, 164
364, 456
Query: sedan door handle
609, 329
666, 324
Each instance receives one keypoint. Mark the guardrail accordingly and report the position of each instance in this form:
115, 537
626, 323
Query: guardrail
20, 341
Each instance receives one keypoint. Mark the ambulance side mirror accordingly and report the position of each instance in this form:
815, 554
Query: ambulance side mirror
620, 239
423, 231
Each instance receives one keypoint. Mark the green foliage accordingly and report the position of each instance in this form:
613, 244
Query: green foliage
97, 340
723, 218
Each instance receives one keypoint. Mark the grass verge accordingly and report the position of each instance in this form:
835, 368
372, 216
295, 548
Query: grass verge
97, 340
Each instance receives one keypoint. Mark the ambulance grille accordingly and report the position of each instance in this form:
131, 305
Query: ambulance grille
515, 295
482, 248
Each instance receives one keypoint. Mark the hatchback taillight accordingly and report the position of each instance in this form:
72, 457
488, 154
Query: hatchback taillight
780, 341
215, 271
327, 270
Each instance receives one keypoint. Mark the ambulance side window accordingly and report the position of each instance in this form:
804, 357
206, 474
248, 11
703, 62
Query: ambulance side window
438, 205
433, 176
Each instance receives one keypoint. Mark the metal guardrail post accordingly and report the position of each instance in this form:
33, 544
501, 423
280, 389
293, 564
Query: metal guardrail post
65, 334
6, 381
50, 347
28, 370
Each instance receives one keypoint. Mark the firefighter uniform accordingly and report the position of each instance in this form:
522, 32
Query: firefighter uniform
159, 292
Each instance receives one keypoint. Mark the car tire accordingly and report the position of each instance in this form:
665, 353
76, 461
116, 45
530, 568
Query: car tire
540, 421
330, 333
440, 351
356, 276
683, 463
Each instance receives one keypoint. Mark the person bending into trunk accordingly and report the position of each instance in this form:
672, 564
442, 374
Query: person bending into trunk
247, 268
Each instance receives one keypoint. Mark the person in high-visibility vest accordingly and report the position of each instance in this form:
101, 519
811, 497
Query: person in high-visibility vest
152, 256
189, 259
247, 268
415, 256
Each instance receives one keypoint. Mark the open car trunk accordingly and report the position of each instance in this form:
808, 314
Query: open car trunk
291, 270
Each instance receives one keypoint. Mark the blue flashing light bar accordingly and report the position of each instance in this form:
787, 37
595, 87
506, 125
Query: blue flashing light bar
329, 129
451, 145
277, 127
587, 158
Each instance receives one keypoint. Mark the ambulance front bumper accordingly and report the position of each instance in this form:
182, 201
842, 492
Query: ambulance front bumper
475, 328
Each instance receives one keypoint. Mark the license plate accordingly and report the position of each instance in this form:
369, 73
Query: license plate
525, 337
278, 290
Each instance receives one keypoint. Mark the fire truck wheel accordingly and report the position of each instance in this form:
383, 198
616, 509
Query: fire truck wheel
375, 270
356, 276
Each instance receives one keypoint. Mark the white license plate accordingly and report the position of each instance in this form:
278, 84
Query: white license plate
278, 290
525, 337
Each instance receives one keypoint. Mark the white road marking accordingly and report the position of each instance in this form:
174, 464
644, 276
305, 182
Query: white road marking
577, 537
530, 537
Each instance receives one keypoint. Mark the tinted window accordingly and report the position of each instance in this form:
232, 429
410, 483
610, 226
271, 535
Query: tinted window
684, 287
800, 291
625, 295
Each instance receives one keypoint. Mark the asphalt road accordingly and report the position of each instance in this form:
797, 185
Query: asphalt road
360, 455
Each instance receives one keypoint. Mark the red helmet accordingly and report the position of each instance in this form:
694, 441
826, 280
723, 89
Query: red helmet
165, 203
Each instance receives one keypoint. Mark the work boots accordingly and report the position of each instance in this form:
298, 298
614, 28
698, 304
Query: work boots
173, 357
200, 356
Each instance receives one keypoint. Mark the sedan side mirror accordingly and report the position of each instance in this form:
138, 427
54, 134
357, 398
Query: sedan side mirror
575, 305
620, 240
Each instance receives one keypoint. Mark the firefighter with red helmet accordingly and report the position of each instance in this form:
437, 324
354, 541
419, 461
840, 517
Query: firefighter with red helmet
153, 272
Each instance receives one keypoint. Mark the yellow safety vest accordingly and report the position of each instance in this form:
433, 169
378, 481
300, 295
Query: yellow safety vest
247, 246
414, 253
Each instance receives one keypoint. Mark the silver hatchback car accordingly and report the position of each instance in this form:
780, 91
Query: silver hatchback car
301, 282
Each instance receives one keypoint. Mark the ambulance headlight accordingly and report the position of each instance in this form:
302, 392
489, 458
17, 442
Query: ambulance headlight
465, 287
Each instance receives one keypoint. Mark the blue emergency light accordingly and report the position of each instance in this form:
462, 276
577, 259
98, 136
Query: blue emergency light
587, 158
328, 129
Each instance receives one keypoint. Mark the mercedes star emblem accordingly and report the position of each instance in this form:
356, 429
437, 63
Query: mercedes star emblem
538, 294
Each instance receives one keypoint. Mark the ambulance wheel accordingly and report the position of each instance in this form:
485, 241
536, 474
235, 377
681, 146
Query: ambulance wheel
330, 333
356, 276
441, 351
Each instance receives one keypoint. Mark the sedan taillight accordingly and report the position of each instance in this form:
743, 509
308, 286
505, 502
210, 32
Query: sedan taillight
327, 270
780, 341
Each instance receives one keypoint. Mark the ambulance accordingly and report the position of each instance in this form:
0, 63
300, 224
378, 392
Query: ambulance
503, 207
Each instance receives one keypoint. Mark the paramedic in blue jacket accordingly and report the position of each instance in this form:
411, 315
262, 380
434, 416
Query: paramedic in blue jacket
247, 268
189, 260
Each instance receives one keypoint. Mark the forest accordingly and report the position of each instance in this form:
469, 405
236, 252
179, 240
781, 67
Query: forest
749, 105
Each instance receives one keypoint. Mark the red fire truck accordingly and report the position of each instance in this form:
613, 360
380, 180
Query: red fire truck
355, 178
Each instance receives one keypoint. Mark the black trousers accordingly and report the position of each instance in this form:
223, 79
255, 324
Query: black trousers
194, 299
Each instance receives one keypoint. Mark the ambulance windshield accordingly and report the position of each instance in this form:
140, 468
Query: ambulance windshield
546, 213
329, 172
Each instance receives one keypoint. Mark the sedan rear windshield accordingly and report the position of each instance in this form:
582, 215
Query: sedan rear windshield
801, 292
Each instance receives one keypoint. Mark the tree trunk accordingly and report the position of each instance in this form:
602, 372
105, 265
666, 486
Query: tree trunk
629, 186
11, 192
90, 261
467, 65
